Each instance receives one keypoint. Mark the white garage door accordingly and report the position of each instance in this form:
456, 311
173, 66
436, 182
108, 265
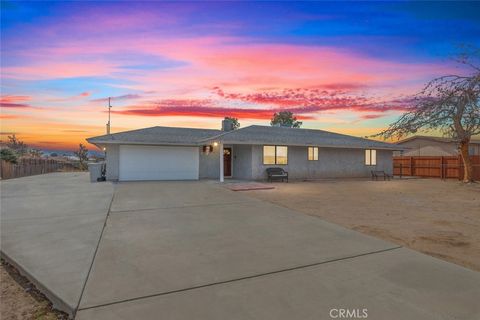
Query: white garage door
158, 163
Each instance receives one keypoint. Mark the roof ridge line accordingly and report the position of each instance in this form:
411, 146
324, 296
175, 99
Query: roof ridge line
225, 133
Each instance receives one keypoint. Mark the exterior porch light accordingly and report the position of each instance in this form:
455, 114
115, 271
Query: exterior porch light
215, 144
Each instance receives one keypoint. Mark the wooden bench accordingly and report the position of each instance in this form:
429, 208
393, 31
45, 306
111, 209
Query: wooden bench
377, 174
277, 173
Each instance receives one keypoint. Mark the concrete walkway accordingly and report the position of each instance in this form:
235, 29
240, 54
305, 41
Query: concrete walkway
183, 250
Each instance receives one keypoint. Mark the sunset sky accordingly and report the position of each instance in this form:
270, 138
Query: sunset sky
343, 67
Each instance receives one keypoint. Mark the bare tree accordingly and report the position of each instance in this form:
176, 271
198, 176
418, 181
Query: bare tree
16, 145
449, 104
35, 153
82, 155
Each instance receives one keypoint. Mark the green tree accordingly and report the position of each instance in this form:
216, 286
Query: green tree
8, 155
82, 155
285, 119
235, 122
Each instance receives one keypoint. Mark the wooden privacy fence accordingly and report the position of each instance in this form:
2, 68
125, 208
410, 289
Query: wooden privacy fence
434, 167
30, 167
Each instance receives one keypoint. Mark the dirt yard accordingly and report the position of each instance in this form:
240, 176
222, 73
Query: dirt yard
20, 300
439, 218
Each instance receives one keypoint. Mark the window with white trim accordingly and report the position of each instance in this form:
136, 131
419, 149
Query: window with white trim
312, 153
370, 157
275, 155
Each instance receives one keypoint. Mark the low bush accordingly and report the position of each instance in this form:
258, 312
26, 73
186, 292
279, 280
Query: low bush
8, 155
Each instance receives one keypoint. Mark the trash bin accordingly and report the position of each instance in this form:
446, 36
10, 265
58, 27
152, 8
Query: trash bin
95, 169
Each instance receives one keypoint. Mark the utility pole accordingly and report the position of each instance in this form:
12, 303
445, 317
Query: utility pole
108, 124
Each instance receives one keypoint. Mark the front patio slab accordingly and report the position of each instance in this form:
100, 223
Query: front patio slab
147, 195
396, 285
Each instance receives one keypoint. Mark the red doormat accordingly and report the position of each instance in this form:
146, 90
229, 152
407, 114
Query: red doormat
248, 186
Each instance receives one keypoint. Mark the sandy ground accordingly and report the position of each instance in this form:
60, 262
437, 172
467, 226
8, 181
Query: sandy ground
439, 218
20, 300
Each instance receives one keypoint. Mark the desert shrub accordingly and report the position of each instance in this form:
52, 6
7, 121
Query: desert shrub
8, 155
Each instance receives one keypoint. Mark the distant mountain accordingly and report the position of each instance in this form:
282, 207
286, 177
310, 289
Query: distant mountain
66, 153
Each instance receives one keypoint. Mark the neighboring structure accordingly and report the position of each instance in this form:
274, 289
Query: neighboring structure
417, 146
167, 153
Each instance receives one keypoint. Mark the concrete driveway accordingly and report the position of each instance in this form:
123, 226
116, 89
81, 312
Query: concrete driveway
50, 228
183, 250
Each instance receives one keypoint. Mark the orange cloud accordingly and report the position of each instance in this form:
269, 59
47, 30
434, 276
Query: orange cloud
8, 116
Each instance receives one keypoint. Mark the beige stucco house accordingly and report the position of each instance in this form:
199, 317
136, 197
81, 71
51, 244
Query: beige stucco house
434, 146
167, 153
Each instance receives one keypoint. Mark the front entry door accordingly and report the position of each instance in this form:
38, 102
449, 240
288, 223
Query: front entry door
227, 162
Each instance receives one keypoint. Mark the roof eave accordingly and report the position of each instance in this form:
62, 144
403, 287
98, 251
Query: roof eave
392, 147
118, 142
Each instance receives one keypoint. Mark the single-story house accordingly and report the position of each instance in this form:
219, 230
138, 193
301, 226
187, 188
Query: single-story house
417, 146
169, 153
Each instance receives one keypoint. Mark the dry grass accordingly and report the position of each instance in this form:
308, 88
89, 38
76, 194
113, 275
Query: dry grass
21, 300
439, 218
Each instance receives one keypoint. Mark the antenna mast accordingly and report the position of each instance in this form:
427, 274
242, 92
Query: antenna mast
108, 123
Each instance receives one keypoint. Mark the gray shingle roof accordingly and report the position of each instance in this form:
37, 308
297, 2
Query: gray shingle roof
299, 137
248, 135
157, 135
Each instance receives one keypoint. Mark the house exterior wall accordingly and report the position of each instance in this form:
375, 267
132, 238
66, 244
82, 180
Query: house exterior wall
112, 161
247, 163
331, 163
242, 162
209, 166
425, 147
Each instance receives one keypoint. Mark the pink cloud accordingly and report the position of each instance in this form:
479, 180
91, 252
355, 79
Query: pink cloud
204, 111
228, 61
9, 101
38, 70
79, 96
251, 80
11, 98
304, 106
316, 100
371, 116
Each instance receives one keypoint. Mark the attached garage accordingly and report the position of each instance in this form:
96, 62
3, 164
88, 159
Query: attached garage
140, 162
